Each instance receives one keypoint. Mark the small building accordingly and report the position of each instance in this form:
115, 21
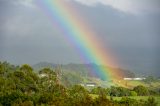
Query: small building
134, 79
90, 84
139, 79
42, 75
128, 79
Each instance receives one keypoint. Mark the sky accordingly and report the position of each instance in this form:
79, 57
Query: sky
130, 28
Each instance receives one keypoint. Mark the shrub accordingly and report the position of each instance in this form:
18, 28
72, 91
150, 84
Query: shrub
141, 90
133, 93
151, 102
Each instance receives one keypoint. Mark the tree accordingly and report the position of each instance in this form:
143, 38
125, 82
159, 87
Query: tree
100, 91
151, 102
25, 79
1, 69
26, 69
48, 78
141, 90
133, 93
5, 67
114, 91
77, 94
128, 101
123, 91
49, 74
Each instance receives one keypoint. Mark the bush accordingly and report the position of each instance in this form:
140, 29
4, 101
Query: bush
141, 90
151, 102
102, 101
133, 93
128, 101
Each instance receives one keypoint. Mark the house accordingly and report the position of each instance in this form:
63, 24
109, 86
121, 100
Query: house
139, 79
134, 79
42, 75
128, 79
91, 84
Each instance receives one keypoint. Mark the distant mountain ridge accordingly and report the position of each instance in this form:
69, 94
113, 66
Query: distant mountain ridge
41, 65
82, 69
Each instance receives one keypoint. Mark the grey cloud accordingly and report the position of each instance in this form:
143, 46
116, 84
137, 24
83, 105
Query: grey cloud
28, 36
127, 6
27, 3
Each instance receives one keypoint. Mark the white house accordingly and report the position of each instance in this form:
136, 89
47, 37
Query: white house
127, 78
134, 79
42, 75
139, 79
90, 84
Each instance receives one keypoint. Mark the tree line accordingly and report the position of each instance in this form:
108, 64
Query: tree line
21, 86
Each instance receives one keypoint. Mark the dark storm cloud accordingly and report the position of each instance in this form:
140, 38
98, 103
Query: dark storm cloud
28, 36
126, 6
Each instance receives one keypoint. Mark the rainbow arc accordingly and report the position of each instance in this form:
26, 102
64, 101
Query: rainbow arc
63, 15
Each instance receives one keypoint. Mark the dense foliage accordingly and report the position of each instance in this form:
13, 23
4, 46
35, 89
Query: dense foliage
21, 86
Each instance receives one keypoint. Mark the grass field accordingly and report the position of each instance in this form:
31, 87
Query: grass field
133, 97
140, 97
132, 84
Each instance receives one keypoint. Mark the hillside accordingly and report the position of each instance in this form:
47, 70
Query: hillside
85, 70
82, 73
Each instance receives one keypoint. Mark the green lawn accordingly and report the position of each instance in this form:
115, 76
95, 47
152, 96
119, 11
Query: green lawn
133, 97
140, 97
136, 83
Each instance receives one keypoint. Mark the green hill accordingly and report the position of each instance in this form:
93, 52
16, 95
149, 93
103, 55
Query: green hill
82, 73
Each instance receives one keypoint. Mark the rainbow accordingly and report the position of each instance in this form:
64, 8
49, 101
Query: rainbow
77, 32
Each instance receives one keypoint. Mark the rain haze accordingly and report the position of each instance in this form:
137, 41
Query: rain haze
130, 28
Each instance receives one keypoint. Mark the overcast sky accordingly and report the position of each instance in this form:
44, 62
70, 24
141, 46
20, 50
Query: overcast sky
131, 28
